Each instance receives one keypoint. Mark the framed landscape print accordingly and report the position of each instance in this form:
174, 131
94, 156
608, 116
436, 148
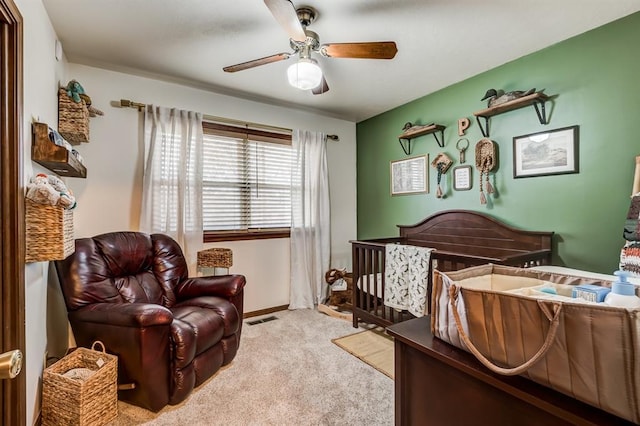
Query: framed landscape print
546, 153
410, 176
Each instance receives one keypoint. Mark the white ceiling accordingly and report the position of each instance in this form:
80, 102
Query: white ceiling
440, 42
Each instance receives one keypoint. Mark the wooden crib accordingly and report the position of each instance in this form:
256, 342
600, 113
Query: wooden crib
460, 239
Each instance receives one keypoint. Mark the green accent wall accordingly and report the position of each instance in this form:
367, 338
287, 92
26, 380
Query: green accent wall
596, 77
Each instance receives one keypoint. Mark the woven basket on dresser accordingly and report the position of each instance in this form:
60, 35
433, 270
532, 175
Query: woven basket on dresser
49, 232
73, 118
69, 401
215, 258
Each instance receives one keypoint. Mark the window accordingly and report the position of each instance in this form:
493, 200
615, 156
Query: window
246, 188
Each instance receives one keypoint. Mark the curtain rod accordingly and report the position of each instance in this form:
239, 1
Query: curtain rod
126, 103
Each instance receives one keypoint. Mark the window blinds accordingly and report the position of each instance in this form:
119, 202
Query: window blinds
246, 179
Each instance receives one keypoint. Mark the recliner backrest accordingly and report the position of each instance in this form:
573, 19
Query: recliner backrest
121, 267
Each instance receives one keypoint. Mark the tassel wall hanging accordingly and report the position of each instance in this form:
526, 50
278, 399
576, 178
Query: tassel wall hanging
485, 162
441, 163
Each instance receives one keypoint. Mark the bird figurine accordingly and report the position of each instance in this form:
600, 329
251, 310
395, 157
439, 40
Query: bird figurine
497, 97
410, 128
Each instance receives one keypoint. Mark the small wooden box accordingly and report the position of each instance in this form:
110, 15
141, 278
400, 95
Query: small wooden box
54, 157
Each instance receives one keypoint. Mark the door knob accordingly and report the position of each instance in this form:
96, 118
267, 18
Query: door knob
10, 364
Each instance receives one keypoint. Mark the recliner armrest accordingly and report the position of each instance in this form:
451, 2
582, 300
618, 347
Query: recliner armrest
139, 334
227, 286
124, 314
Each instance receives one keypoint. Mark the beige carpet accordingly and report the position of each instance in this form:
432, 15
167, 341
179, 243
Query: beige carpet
287, 373
374, 347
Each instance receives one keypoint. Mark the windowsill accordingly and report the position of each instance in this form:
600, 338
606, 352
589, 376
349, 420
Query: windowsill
212, 236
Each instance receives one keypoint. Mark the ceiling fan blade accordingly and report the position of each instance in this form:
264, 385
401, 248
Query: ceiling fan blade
257, 62
285, 13
323, 87
368, 50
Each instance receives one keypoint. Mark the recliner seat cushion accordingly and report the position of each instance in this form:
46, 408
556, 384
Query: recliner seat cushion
193, 331
200, 323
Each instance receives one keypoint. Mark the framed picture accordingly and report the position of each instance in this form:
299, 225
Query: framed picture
462, 178
546, 153
410, 176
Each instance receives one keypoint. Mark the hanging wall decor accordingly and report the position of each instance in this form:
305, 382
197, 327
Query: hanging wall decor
441, 163
486, 161
463, 125
461, 146
462, 178
410, 176
546, 153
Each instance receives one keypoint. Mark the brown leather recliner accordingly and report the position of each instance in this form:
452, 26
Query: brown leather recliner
131, 291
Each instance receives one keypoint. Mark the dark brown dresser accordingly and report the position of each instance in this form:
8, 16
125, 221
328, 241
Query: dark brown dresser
441, 385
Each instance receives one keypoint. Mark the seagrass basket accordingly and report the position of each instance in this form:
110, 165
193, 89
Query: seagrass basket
73, 395
73, 118
215, 258
49, 232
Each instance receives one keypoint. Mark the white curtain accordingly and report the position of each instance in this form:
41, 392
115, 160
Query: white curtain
310, 220
172, 187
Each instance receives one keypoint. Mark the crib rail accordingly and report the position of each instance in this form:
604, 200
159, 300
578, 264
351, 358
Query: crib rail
368, 289
369, 276
446, 261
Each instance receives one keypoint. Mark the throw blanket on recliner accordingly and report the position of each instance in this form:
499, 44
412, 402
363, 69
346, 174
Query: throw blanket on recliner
406, 277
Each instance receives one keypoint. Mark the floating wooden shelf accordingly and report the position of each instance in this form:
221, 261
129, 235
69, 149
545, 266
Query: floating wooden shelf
536, 99
55, 158
422, 130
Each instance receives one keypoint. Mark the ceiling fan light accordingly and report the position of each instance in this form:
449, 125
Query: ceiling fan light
304, 74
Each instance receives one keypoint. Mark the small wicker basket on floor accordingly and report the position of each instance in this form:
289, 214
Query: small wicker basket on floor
49, 232
215, 258
90, 401
73, 118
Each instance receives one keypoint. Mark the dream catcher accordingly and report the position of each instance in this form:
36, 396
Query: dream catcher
486, 161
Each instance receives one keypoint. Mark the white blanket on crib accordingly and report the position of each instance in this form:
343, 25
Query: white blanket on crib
406, 277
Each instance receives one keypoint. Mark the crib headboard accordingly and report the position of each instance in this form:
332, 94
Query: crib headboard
456, 233
461, 238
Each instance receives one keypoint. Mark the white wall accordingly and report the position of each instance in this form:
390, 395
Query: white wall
109, 199
40, 83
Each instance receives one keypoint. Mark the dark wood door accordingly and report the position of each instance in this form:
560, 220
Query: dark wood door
12, 333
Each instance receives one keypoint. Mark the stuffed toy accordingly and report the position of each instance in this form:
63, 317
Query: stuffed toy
74, 90
341, 283
50, 190
40, 191
67, 200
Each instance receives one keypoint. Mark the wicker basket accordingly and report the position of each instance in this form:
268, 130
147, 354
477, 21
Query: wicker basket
49, 232
215, 258
73, 118
90, 401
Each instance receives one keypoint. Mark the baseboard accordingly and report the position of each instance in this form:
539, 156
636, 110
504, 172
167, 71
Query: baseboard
264, 311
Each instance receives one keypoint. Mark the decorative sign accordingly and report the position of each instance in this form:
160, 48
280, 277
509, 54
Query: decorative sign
462, 178
463, 125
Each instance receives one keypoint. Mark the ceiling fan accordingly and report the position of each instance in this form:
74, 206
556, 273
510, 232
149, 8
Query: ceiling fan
306, 74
